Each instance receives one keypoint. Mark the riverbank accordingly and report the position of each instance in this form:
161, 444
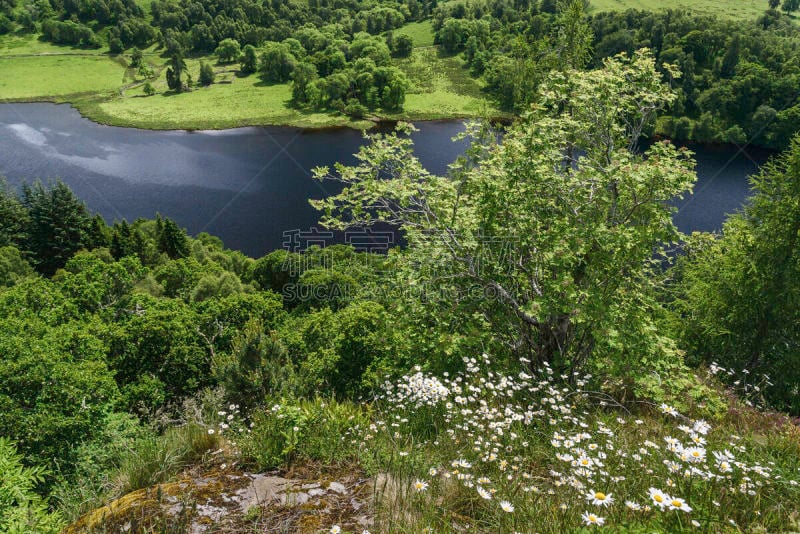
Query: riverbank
105, 89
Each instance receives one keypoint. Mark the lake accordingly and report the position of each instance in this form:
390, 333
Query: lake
250, 186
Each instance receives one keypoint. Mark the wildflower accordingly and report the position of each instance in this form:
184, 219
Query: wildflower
507, 506
484, 494
420, 485
658, 497
433, 471
591, 519
695, 454
676, 503
633, 506
210, 431
335, 529
599, 498
668, 410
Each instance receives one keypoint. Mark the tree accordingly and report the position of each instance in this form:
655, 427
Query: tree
228, 50
737, 297
731, 58
277, 63
550, 235
574, 40
773, 4
304, 74
174, 72
172, 240
206, 74
13, 267
403, 45
13, 218
21, 508
790, 6
58, 225
248, 61
148, 89
136, 57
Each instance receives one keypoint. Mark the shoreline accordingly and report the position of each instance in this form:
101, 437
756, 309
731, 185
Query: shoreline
89, 110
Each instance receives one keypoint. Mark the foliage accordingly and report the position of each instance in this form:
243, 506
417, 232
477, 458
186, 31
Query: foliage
550, 235
207, 74
21, 509
736, 299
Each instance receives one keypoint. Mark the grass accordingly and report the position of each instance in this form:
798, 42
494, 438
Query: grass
54, 77
731, 9
441, 88
421, 32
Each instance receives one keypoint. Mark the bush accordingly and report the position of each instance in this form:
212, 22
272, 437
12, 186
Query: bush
207, 74
21, 509
315, 429
155, 459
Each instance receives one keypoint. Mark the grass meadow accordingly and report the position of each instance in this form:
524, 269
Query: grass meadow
733, 9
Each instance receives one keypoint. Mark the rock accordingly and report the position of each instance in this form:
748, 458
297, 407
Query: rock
214, 500
337, 487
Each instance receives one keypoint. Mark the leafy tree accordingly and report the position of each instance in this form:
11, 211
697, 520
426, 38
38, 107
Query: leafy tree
228, 50
58, 225
790, 6
731, 58
773, 4
206, 74
13, 267
302, 77
557, 225
277, 63
136, 57
148, 89
249, 60
737, 298
403, 45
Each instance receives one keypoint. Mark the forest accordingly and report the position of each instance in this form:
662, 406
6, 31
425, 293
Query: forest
535, 357
738, 81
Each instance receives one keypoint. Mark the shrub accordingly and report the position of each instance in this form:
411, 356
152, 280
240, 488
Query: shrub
21, 509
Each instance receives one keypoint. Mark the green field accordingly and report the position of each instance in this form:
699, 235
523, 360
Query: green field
56, 77
103, 89
738, 9
421, 32
442, 88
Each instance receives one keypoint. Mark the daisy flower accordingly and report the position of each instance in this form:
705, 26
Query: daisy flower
658, 497
507, 506
592, 519
420, 485
669, 410
676, 503
598, 498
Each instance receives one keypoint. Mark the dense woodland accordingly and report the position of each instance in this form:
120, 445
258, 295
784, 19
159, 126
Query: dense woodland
738, 80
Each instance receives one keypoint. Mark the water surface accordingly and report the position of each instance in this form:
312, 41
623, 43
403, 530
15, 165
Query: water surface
249, 186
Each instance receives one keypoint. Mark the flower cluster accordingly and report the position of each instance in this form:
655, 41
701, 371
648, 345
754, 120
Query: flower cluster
515, 439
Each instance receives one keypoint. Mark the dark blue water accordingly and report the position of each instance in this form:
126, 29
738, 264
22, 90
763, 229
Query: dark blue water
250, 186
